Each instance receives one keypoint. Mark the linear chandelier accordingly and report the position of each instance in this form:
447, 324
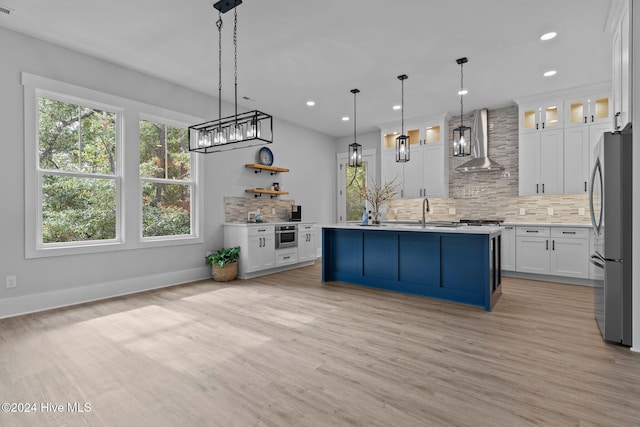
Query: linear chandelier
240, 130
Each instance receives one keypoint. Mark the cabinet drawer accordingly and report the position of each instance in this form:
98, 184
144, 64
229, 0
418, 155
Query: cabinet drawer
570, 232
286, 256
533, 231
261, 230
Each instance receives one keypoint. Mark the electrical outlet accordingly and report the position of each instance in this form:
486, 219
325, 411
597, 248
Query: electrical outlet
549, 211
523, 211
581, 211
258, 211
452, 211
11, 282
273, 211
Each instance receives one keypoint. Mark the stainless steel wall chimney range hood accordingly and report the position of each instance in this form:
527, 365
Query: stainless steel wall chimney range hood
480, 147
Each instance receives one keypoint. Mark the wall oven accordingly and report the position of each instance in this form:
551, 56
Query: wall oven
286, 236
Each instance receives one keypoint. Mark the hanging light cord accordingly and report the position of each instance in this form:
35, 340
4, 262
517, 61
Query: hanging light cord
235, 58
354, 117
461, 94
219, 25
402, 110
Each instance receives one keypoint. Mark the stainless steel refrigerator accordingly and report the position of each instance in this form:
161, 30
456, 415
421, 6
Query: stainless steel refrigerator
610, 202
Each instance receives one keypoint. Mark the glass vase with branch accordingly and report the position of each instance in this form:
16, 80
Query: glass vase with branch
377, 195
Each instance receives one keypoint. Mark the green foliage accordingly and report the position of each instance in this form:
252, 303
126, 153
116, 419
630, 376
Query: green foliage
78, 139
224, 256
356, 178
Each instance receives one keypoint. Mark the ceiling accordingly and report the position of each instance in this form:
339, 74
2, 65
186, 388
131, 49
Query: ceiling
291, 51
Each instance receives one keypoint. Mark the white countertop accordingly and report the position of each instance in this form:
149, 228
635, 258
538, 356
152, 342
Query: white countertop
262, 224
465, 229
547, 224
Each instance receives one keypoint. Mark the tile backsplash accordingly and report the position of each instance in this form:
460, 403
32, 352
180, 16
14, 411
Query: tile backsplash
272, 210
493, 195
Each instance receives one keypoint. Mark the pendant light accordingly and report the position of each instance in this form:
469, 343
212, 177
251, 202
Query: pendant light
355, 149
462, 134
240, 130
402, 142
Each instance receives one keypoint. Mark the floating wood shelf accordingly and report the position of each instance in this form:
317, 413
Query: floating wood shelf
258, 192
272, 169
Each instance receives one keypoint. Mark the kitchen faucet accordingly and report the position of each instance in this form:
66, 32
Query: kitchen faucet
425, 203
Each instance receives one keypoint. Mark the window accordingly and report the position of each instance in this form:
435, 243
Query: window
165, 174
350, 203
78, 171
78, 199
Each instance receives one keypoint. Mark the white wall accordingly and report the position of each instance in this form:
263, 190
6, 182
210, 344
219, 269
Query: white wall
56, 281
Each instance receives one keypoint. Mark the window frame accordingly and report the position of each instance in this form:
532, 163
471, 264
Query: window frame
129, 188
191, 183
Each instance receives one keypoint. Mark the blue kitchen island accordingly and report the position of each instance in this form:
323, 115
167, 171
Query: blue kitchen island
457, 263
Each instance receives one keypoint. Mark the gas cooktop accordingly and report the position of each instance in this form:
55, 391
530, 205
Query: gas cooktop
478, 222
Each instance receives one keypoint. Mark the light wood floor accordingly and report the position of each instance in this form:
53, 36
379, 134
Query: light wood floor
286, 350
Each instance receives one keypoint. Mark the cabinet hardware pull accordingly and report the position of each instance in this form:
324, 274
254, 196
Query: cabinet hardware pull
553, 245
568, 232
585, 186
533, 231
537, 126
286, 257
547, 245
262, 230
585, 119
616, 126
543, 188
537, 188
591, 118
542, 125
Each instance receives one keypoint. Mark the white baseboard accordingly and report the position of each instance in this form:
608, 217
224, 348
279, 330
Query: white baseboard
25, 304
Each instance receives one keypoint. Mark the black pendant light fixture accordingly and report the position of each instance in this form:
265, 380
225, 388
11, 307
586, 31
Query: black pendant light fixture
402, 142
462, 134
240, 130
355, 149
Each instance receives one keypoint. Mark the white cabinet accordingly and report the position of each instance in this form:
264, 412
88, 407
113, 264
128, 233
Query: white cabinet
579, 142
622, 95
257, 246
541, 162
307, 250
426, 174
586, 110
558, 251
532, 250
508, 248
570, 252
541, 116
260, 249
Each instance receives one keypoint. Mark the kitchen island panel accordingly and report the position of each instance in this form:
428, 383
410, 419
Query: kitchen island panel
380, 255
420, 259
449, 266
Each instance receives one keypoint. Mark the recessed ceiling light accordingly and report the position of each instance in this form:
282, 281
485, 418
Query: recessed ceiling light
397, 107
345, 119
550, 73
548, 36
463, 92
311, 103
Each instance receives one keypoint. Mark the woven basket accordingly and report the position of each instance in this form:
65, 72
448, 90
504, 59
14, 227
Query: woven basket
224, 274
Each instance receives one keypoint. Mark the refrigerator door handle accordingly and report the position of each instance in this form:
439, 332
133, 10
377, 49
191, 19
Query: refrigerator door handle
597, 260
597, 169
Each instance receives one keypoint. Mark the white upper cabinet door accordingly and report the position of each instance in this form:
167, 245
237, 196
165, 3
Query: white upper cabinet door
551, 162
576, 159
587, 110
541, 117
529, 164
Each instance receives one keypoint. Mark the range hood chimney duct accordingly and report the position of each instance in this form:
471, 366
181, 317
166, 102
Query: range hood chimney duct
480, 147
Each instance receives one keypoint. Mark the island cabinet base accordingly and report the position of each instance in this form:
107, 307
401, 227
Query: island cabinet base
456, 267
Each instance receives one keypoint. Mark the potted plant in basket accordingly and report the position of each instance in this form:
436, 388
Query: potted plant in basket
224, 264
